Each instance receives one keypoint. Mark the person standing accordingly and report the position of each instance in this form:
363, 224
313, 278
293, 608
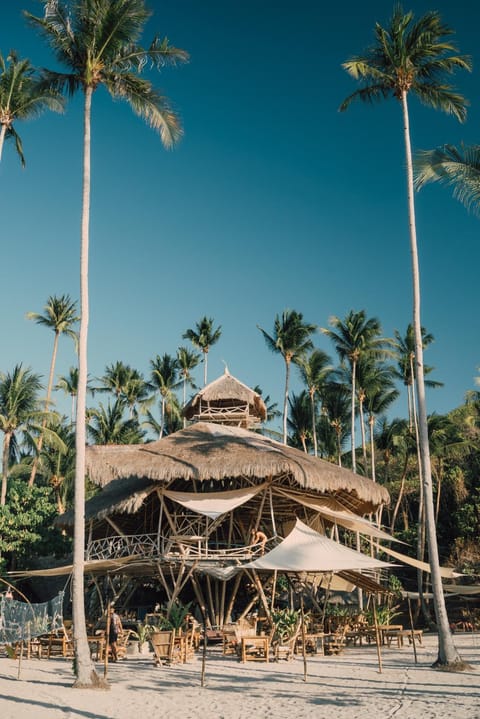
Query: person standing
114, 630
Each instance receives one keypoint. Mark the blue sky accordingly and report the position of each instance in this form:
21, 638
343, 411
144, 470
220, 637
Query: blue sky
272, 200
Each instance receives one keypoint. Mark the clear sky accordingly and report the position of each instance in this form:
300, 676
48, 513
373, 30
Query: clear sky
273, 199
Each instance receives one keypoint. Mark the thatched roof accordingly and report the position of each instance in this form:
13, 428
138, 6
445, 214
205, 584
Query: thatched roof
224, 391
205, 452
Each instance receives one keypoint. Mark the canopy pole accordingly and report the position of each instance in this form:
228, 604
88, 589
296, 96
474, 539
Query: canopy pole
274, 588
272, 515
263, 598
304, 651
412, 629
203, 612
236, 585
377, 637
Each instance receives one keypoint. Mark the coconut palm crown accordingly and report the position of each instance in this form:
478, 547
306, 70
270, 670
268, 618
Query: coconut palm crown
97, 42
409, 56
23, 95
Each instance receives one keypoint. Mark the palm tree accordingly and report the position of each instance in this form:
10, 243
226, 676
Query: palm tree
404, 350
19, 408
380, 392
457, 167
186, 361
415, 57
97, 41
334, 418
300, 419
203, 337
108, 426
23, 95
58, 465
69, 385
164, 378
314, 370
291, 338
60, 314
126, 383
356, 337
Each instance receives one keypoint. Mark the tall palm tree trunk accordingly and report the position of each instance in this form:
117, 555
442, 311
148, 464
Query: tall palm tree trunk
7, 438
86, 675
47, 404
3, 132
205, 367
285, 399
371, 428
314, 423
447, 653
354, 462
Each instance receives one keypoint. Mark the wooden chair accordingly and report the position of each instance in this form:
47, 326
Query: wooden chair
57, 644
187, 646
230, 640
335, 643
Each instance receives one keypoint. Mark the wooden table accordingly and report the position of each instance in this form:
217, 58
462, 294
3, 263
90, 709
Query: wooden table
255, 649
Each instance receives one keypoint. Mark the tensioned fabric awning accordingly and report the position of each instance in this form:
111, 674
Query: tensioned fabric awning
213, 504
305, 550
445, 572
327, 507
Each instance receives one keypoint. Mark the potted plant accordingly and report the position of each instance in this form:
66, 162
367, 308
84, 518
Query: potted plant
142, 635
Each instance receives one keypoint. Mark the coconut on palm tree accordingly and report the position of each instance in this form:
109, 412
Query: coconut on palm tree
203, 336
23, 95
291, 338
97, 43
416, 57
60, 315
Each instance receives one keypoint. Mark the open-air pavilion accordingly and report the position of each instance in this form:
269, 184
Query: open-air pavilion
183, 508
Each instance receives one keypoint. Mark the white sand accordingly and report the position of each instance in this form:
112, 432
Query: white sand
348, 686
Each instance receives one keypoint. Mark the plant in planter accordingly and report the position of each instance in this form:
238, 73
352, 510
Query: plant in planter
142, 635
286, 623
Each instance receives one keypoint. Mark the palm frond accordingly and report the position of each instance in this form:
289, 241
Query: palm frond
456, 167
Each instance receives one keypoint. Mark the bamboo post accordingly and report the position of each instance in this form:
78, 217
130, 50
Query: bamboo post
236, 585
274, 589
107, 637
412, 629
20, 656
377, 637
304, 651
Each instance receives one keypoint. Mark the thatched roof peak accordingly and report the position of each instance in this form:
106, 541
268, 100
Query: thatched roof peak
227, 392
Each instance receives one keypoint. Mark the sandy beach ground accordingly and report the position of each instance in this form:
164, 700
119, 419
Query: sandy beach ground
347, 686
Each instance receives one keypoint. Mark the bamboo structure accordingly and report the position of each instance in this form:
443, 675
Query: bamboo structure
182, 508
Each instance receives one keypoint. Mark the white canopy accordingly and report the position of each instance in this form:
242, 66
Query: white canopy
213, 504
330, 509
305, 550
